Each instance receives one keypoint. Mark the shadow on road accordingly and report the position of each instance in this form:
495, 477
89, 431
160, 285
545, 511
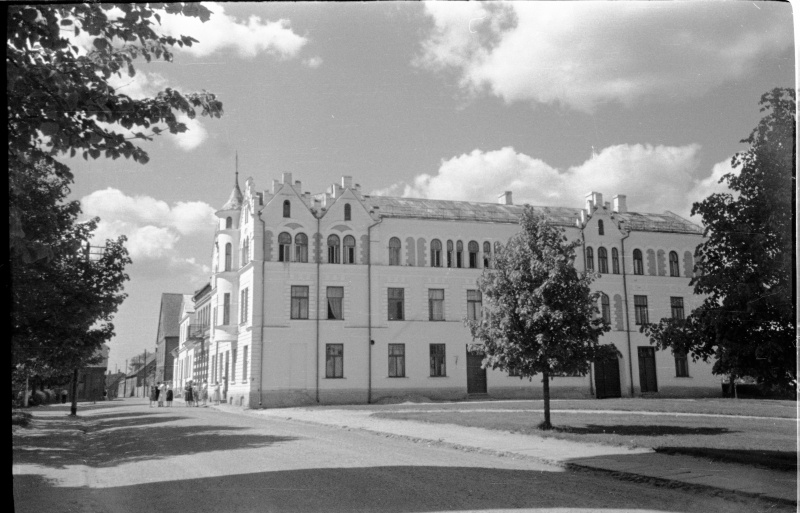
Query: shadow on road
108, 440
390, 489
785, 461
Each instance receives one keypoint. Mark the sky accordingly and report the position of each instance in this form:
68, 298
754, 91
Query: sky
455, 101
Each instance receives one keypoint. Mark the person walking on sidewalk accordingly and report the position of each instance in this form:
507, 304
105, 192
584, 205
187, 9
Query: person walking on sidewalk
204, 393
189, 395
153, 395
216, 393
161, 393
169, 396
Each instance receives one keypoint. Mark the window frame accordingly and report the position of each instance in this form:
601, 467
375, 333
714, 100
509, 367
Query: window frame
473, 255
395, 251
334, 251
331, 302
474, 306
459, 254
392, 303
228, 256
432, 311
600, 228
487, 254
332, 357
640, 310
638, 262
349, 249
226, 308
438, 360
677, 308
397, 360
605, 307
301, 248
589, 258
436, 253
614, 260
284, 245
287, 208
602, 260
681, 365
300, 301
674, 265
347, 212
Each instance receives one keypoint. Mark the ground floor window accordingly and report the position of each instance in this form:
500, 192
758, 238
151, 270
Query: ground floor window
681, 365
397, 360
438, 364
334, 360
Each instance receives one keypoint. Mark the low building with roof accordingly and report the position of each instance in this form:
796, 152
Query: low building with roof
167, 335
346, 297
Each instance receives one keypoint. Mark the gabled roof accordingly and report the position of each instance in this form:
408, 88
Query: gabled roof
170, 317
666, 222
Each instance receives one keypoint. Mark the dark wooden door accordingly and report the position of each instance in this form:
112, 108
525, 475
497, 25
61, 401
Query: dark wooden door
606, 378
476, 375
647, 369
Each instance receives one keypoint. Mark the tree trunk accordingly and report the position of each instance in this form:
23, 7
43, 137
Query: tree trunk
73, 410
25, 397
546, 395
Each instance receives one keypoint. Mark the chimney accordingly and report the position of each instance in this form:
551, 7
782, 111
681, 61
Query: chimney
607, 205
347, 182
594, 200
287, 178
275, 184
620, 204
298, 186
505, 198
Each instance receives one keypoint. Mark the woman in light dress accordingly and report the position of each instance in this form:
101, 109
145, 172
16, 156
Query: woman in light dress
217, 396
204, 393
169, 395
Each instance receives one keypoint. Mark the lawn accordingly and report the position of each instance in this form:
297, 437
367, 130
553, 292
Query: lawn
725, 433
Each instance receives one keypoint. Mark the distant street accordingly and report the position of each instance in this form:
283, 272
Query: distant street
123, 456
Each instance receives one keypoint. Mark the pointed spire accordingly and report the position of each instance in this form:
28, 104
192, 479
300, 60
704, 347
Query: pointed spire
235, 200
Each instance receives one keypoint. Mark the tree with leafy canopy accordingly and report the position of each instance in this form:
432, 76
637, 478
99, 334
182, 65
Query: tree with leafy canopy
539, 314
745, 267
60, 102
59, 97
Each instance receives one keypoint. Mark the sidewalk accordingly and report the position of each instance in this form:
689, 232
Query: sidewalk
637, 464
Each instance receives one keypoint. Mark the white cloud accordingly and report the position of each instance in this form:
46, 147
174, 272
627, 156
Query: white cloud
583, 54
249, 38
153, 228
313, 62
193, 136
634, 170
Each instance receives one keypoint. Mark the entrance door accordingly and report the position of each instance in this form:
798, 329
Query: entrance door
647, 369
606, 378
476, 375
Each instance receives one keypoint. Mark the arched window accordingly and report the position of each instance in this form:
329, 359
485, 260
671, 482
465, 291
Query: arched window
349, 249
459, 253
605, 308
245, 251
449, 253
589, 259
473, 249
228, 250
394, 251
600, 229
333, 249
436, 253
674, 270
614, 261
284, 243
287, 209
638, 264
347, 211
228, 223
487, 254
602, 260
301, 248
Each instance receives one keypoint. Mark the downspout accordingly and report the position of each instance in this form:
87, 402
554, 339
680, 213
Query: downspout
627, 314
369, 309
318, 257
585, 269
263, 309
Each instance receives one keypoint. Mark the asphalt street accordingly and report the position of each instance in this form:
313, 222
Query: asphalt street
124, 456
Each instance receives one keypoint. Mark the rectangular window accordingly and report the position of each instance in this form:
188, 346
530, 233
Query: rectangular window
396, 305
244, 305
438, 368
334, 360
397, 360
676, 305
474, 305
436, 304
226, 309
681, 365
233, 366
299, 302
640, 306
335, 297
244, 363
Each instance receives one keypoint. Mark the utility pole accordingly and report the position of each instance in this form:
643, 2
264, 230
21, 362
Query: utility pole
125, 386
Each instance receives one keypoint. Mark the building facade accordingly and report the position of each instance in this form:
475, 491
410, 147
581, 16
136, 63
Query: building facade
167, 335
345, 297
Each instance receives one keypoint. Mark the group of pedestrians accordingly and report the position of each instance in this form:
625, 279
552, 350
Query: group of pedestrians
159, 393
193, 393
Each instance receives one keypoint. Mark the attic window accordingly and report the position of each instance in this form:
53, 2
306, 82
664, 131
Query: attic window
600, 230
346, 211
287, 209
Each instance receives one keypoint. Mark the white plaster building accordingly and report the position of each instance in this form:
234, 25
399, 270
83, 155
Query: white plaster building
343, 297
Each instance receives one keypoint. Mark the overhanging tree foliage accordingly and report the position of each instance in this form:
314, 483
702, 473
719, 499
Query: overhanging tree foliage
59, 97
539, 315
745, 268
60, 103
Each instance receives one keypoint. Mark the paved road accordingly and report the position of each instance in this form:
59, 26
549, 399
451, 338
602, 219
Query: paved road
125, 457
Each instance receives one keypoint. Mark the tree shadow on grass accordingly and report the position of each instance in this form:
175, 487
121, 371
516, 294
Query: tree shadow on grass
654, 430
785, 461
